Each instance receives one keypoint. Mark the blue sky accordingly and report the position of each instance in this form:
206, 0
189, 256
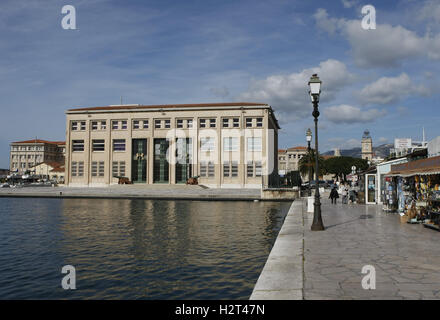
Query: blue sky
153, 52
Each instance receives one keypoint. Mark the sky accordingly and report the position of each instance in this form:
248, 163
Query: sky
193, 51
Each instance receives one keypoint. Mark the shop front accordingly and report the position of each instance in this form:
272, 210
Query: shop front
414, 191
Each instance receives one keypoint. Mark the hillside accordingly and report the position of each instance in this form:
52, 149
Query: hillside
380, 151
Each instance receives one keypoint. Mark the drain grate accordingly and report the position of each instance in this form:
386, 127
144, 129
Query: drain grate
366, 216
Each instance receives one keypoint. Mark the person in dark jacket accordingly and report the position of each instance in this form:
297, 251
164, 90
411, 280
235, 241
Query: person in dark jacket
334, 195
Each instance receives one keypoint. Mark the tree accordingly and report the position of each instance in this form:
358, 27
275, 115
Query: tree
307, 161
341, 166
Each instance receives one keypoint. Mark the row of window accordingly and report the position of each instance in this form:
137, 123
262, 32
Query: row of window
33, 148
166, 124
22, 165
292, 156
206, 144
207, 169
230, 169
29, 156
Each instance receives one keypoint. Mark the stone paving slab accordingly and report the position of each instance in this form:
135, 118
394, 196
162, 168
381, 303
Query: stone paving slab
405, 256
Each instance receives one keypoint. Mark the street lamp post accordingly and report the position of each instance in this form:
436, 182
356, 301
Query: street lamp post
309, 139
315, 90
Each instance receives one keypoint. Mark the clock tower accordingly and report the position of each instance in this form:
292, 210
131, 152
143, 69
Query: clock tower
367, 146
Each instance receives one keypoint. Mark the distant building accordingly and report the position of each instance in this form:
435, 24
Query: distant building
4, 172
405, 146
367, 146
26, 154
434, 147
49, 170
223, 144
337, 152
288, 159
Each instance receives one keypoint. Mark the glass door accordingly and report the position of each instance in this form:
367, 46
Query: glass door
371, 192
139, 161
161, 166
183, 159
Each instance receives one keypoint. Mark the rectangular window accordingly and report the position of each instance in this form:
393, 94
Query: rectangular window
248, 122
167, 124
189, 123
122, 168
101, 169
83, 125
259, 122
115, 125
207, 144
118, 168
230, 144
98, 145
212, 123
74, 168
80, 168
103, 125
77, 145
157, 124
211, 169
135, 124
236, 122
250, 169
234, 168
118, 144
258, 168
203, 169
226, 169
94, 125
124, 125
74, 125
179, 123
115, 171
94, 168
202, 123
254, 144
145, 124
225, 123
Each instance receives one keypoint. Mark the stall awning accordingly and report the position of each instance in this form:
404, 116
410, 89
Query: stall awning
414, 168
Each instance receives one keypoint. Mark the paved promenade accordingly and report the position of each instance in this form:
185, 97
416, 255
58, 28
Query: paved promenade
406, 257
189, 192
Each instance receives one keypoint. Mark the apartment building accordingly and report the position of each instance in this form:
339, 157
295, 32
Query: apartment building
288, 159
223, 144
26, 154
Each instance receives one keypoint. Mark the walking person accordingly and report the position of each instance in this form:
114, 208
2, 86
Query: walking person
344, 193
334, 195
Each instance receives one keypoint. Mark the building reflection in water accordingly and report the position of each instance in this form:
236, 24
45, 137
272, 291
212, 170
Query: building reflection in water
129, 249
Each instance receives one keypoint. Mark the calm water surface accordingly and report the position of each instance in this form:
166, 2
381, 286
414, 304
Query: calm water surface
135, 249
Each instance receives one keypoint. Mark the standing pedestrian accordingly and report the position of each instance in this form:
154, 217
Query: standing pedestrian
334, 195
344, 193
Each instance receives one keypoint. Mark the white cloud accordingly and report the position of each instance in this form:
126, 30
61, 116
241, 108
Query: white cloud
348, 3
288, 93
429, 11
386, 46
388, 90
348, 114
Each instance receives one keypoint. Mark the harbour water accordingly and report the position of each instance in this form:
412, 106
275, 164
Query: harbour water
135, 249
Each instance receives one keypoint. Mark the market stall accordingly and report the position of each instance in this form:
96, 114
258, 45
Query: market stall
414, 191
